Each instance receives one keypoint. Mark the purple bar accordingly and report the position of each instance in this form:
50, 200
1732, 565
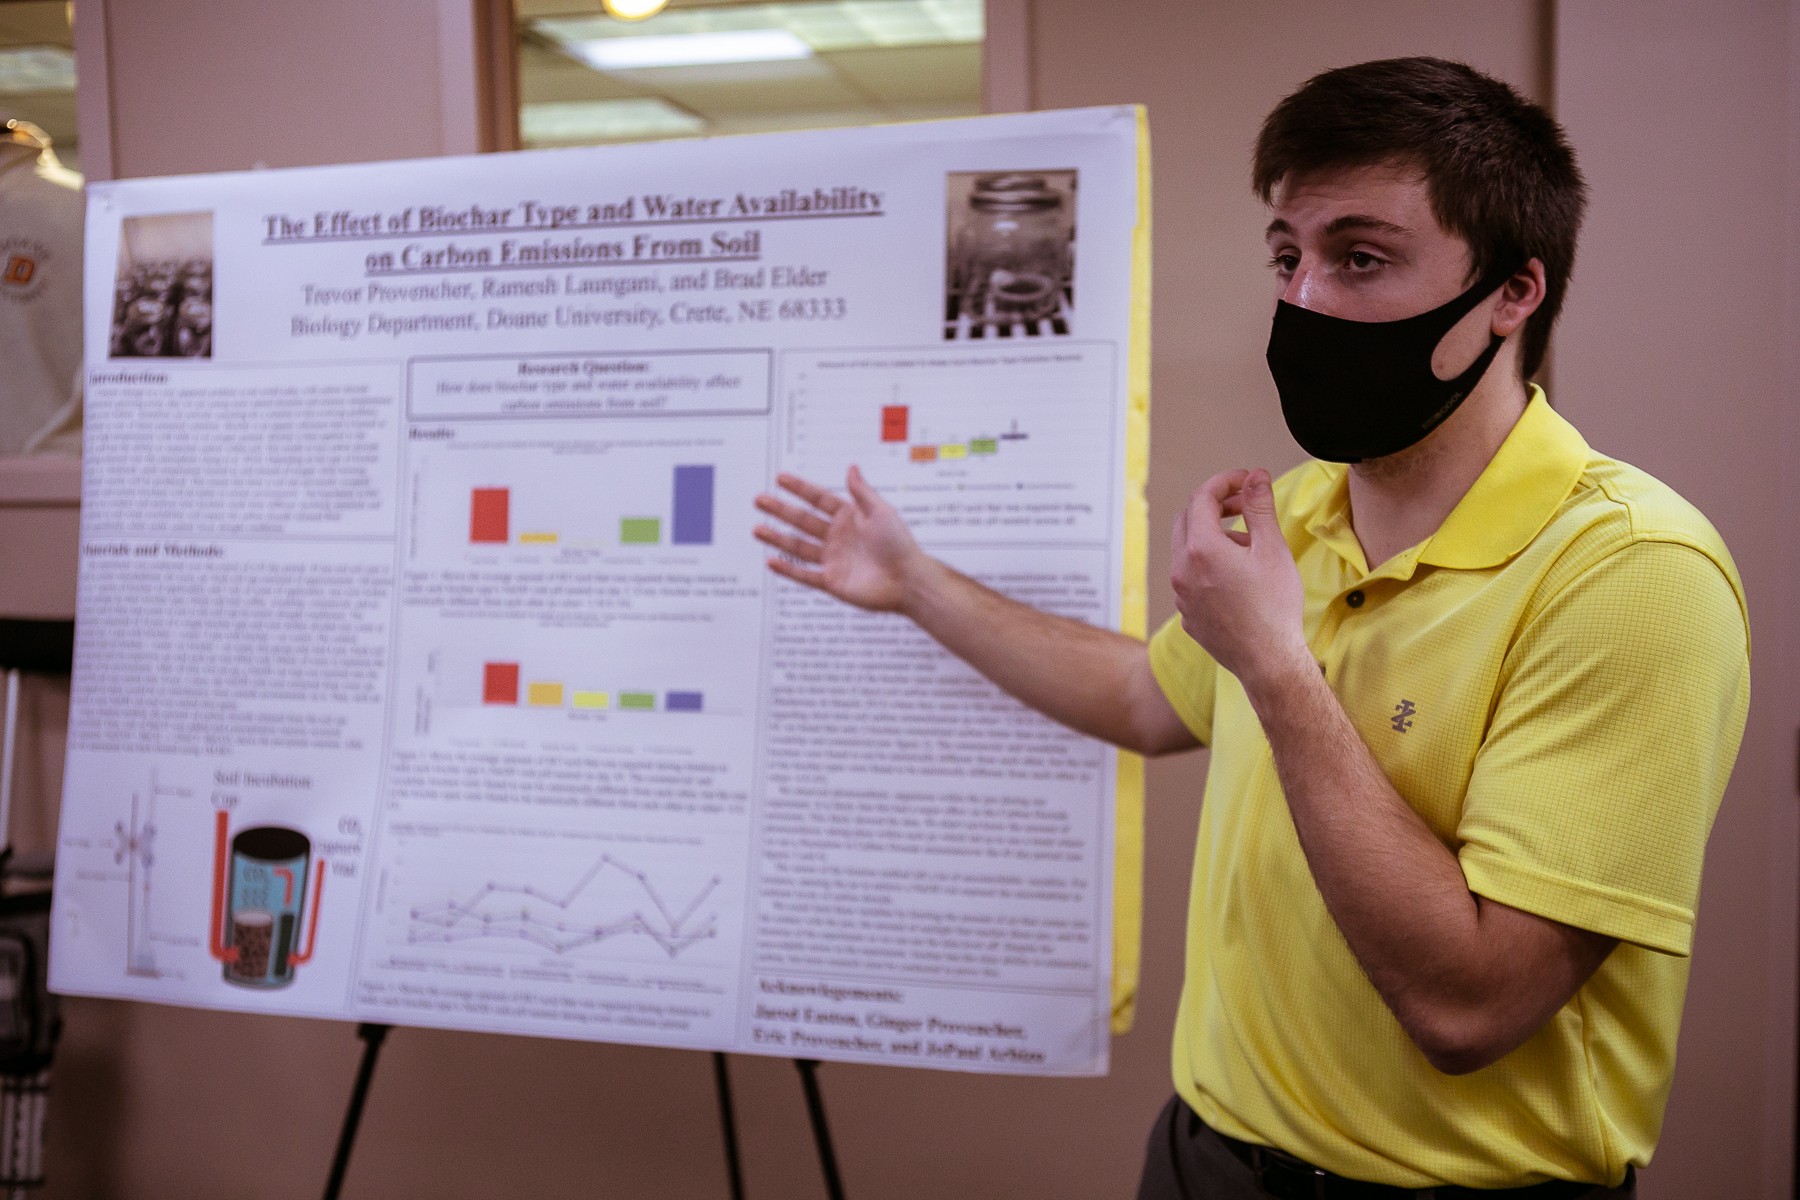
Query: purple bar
693, 506
682, 701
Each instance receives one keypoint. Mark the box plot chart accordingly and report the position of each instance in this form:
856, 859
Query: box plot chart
896, 429
612, 900
922, 422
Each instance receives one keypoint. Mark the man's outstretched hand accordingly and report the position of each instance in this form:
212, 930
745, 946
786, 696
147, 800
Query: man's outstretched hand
858, 550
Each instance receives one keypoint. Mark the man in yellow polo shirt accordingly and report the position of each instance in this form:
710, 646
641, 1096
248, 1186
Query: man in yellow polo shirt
1473, 691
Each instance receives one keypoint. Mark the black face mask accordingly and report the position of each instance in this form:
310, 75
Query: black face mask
1352, 390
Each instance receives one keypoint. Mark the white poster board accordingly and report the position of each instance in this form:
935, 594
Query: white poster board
427, 671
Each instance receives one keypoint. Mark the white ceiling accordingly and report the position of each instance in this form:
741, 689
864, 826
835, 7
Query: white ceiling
40, 23
832, 87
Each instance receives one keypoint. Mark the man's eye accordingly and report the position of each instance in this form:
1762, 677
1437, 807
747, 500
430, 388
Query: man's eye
1285, 264
1362, 260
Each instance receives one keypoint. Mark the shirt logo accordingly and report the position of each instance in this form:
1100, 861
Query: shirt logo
22, 263
1403, 715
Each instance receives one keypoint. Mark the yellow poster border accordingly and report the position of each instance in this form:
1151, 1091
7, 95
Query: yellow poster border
1128, 834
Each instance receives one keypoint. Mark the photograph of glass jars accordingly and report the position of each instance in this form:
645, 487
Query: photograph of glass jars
1011, 254
163, 294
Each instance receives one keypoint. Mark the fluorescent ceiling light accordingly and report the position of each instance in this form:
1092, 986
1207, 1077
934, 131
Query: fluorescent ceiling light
824, 27
692, 49
37, 69
604, 120
634, 10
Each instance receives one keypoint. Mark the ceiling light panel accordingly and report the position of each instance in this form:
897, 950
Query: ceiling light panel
691, 49
556, 122
829, 26
36, 69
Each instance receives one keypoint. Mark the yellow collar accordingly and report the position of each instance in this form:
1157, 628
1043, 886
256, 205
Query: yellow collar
1516, 495
1527, 480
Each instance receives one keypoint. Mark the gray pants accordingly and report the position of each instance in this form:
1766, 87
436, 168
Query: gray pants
1186, 1160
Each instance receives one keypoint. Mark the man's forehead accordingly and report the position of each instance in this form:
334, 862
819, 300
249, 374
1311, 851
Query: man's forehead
1391, 198
1350, 222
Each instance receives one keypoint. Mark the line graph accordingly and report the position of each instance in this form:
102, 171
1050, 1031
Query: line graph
482, 916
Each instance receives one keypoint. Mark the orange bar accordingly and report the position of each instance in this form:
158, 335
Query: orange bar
924, 453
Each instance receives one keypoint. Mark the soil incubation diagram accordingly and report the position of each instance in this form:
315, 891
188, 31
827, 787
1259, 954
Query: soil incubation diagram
259, 900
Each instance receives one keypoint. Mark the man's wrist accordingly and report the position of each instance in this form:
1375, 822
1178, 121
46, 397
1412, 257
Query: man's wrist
921, 580
1279, 686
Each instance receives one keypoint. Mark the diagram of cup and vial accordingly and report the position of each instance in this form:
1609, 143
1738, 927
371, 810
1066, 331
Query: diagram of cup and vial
260, 903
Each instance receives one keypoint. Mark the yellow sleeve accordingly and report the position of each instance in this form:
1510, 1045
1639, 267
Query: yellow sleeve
1186, 674
1619, 715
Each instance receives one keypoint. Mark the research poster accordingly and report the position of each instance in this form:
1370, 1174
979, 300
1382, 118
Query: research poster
427, 670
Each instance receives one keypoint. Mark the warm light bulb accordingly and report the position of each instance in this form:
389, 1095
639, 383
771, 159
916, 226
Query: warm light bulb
633, 10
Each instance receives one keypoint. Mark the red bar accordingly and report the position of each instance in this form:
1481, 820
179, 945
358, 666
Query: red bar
488, 524
893, 423
500, 683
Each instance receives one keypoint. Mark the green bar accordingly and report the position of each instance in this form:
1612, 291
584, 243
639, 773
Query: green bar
640, 531
984, 445
645, 700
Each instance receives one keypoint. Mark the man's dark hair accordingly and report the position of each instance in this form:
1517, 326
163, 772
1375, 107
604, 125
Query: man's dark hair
1499, 170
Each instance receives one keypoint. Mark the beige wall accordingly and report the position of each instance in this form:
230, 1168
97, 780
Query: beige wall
209, 85
1676, 355
1673, 356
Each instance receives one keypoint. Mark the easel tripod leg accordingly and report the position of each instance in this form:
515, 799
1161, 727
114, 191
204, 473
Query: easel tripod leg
372, 1035
815, 1108
728, 1124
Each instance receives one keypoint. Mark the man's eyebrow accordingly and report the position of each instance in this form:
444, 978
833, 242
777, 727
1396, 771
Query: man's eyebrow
1349, 221
1358, 221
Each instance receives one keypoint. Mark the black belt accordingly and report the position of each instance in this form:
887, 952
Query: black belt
1288, 1178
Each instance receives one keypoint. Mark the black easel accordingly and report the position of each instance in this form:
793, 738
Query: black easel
815, 1109
372, 1035
728, 1123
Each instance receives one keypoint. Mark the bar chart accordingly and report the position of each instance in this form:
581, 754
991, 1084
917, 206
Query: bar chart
690, 508
500, 687
616, 687
650, 495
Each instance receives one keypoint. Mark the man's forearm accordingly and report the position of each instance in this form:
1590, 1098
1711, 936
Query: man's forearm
1396, 892
1093, 680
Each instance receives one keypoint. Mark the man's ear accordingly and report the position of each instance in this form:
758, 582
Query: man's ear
1520, 296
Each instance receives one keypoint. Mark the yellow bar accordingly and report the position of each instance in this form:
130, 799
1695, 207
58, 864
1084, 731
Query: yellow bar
544, 695
592, 699
954, 450
538, 539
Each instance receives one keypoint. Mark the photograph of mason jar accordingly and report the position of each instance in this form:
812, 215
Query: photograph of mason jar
163, 293
1010, 254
